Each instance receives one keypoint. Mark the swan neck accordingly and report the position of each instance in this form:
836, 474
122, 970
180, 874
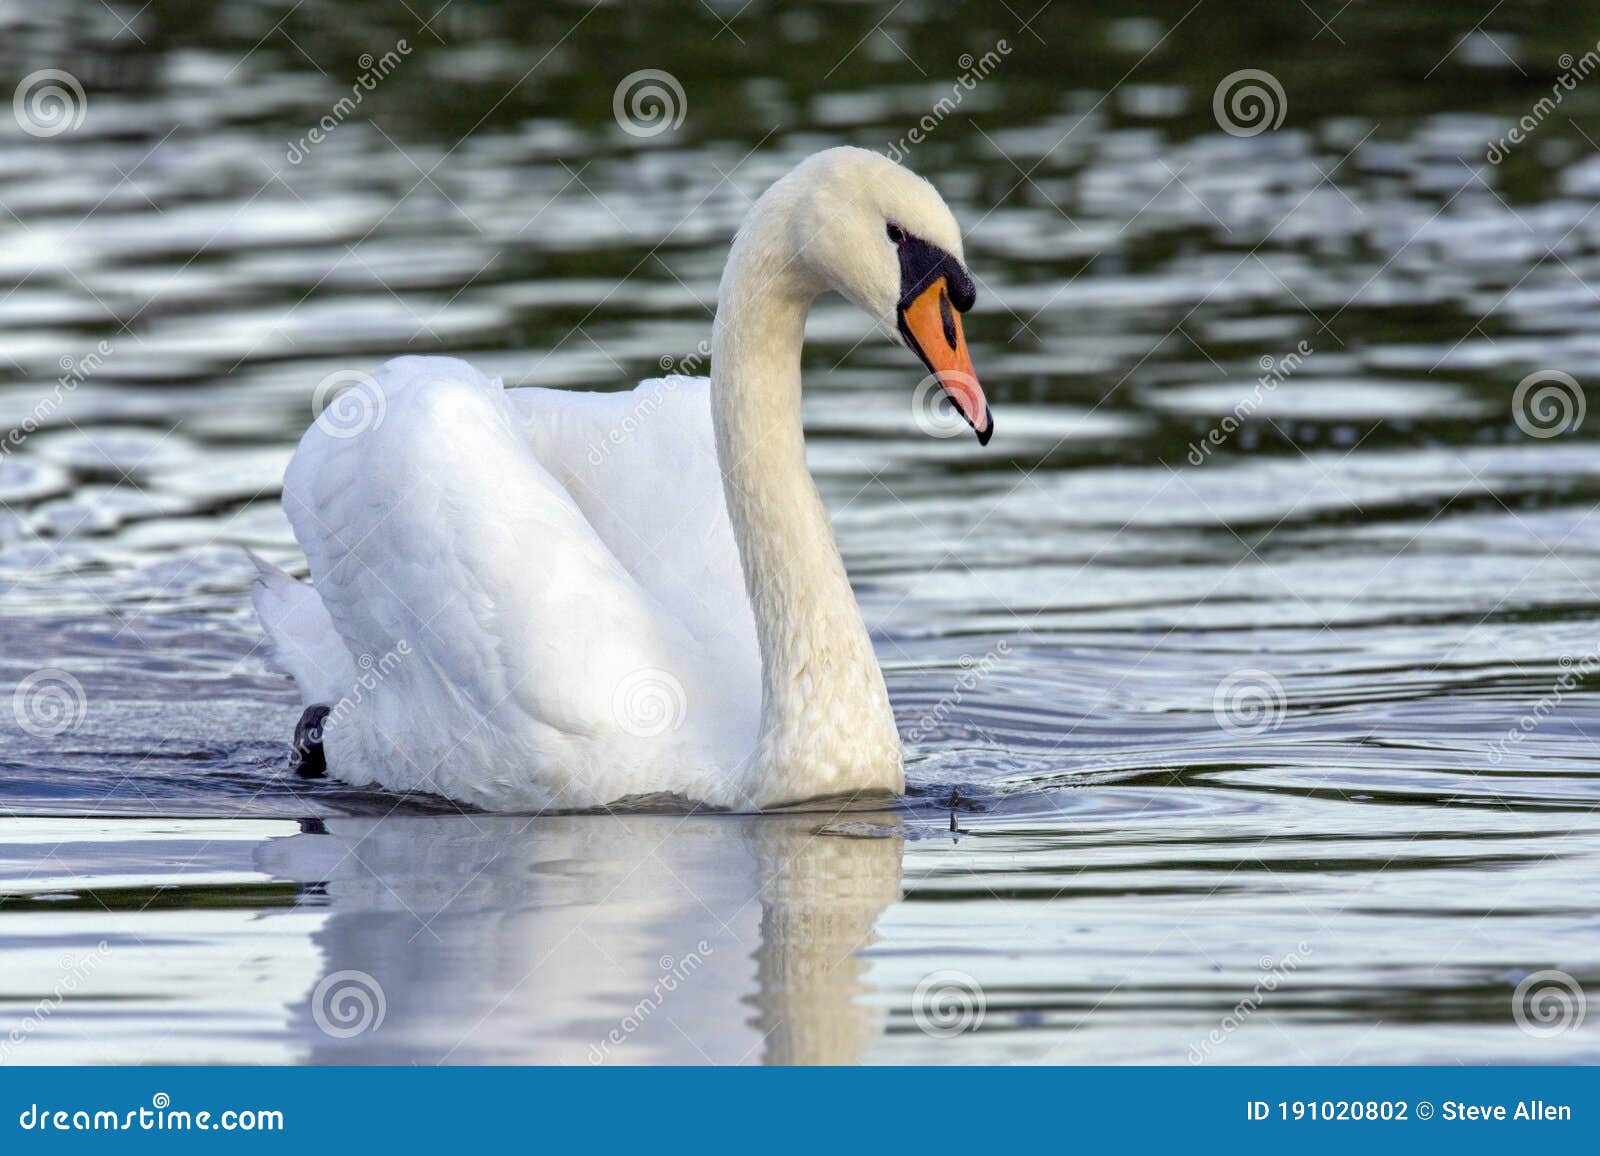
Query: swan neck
822, 691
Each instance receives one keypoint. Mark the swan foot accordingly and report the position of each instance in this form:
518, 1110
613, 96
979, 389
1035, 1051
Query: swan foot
305, 753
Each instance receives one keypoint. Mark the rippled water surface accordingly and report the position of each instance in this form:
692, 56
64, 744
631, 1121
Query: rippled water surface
1246, 723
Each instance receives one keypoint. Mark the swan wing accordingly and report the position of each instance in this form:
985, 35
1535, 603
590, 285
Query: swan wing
641, 465
304, 643
506, 655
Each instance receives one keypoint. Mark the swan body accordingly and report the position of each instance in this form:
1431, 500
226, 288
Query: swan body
532, 598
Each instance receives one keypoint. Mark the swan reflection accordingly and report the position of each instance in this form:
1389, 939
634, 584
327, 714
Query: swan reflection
595, 939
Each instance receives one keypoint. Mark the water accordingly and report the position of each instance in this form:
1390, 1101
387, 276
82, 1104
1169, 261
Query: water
1216, 751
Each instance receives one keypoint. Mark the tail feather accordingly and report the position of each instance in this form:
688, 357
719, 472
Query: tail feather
305, 644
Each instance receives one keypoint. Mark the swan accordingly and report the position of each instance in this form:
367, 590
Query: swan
533, 599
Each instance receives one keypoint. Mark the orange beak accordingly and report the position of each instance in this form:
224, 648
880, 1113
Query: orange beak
932, 328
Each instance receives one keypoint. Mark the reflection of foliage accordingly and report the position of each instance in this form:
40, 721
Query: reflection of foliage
503, 63
533, 87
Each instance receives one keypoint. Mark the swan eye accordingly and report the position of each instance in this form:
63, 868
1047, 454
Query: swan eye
896, 234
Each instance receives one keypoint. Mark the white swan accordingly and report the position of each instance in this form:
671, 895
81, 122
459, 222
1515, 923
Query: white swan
534, 598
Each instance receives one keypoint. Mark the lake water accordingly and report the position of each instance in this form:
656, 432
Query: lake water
1260, 736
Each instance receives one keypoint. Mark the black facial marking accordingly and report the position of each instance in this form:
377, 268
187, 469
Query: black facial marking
921, 264
948, 319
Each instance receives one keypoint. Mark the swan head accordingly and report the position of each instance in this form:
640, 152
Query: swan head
884, 238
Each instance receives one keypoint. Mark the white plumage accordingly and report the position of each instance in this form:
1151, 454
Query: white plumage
534, 598
551, 576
